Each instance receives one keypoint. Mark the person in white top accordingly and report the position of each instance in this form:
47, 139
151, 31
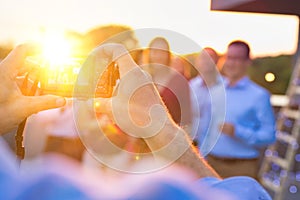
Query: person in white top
207, 100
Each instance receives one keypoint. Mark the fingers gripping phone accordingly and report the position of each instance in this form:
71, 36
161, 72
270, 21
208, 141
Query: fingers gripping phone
93, 79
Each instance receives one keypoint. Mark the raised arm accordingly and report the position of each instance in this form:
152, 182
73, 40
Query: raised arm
139, 111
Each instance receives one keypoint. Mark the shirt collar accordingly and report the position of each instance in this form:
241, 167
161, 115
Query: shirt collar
203, 84
240, 84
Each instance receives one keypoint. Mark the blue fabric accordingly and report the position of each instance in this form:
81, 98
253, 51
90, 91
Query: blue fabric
208, 111
200, 104
240, 187
46, 186
50, 187
8, 171
164, 190
234, 188
249, 109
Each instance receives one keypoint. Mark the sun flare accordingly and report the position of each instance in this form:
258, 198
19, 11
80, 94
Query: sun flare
56, 48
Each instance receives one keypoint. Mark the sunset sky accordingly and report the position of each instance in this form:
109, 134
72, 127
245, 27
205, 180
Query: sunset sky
21, 20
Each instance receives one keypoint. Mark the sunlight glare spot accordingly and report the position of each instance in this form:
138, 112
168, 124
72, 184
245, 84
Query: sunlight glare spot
56, 49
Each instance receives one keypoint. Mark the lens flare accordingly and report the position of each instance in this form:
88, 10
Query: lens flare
270, 77
56, 48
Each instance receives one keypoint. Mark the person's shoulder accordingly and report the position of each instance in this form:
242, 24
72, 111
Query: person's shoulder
241, 187
257, 89
195, 82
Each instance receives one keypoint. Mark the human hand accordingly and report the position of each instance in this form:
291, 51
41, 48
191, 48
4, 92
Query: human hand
228, 129
135, 107
136, 104
14, 106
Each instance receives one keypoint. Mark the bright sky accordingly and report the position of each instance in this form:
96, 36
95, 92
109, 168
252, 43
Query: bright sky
21, 20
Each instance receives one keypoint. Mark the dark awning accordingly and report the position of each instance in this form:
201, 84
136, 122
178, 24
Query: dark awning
291, 7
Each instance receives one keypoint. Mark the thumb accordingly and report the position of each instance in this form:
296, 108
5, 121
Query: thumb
34, 104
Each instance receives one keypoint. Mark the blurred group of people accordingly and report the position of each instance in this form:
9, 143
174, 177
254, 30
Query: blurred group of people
237, 108
211, 129
229, 117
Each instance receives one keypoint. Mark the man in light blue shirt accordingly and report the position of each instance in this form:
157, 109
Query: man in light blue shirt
249, 122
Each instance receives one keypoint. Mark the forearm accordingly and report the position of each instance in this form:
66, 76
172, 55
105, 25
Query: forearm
173, 144
262, 132
260, 137
165, 139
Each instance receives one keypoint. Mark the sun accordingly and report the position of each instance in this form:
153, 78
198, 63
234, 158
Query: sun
56, 48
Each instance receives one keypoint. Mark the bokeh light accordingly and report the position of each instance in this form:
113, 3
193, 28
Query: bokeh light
293, 189
270, 77
297, 157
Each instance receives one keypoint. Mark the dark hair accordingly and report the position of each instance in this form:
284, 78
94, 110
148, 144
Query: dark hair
242, 44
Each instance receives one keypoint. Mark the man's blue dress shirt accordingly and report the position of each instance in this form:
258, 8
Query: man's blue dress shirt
249, 109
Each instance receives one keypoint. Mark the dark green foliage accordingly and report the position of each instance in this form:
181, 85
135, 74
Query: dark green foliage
280, 66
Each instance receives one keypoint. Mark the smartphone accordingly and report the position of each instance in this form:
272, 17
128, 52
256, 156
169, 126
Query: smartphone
73, 79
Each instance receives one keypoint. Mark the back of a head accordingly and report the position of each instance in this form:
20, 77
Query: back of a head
159, 43
212, 53
159, 51
206, 60
112, 34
